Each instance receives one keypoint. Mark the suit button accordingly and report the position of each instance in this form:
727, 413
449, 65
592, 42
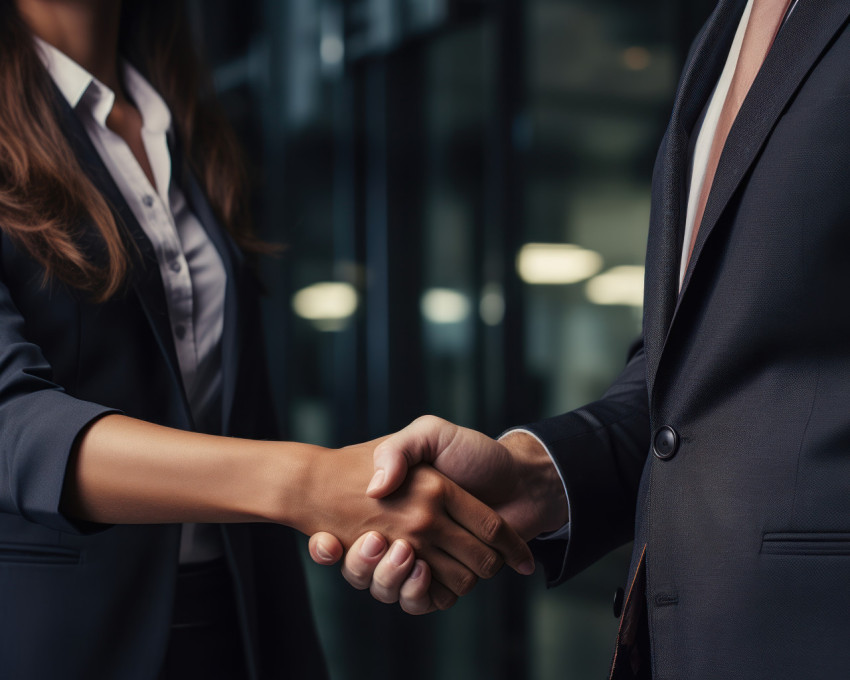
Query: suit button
665, 443
619, 598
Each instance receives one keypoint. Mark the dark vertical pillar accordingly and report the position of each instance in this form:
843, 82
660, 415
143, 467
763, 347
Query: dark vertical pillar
350, 346
393, 222
505, 201
377, 253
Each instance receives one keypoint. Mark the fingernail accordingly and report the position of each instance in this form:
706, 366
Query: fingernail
372, 546
417, 570
377, 481
399, 554
526, 568
322, 553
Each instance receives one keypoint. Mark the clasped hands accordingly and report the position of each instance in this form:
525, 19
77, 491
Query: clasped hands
492, 497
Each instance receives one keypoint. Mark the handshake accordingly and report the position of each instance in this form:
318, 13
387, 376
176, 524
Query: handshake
445, 506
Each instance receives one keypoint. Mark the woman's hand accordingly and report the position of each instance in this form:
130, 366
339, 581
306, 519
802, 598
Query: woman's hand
455, 536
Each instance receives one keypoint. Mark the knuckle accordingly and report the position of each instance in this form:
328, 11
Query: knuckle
465, 583
420, 522
431, 485
490, 564
357, 578
354, 583
385, 583
444, 601
382, 594
415, 607
429, 420
492, 525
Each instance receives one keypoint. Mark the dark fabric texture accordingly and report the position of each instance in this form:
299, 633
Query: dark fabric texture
204, 641
93, 601
747, 525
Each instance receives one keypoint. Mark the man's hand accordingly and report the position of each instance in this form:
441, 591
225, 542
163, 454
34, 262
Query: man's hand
455, 534
515, 476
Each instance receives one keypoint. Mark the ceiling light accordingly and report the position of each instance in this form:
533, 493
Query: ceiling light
556, 263
618, 286
444, 306
327, 303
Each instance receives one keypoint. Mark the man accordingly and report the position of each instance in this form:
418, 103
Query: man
726, 440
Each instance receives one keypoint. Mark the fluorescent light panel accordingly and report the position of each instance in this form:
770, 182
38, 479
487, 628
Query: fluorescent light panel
556, 263
326, 301
617, 286
444, 306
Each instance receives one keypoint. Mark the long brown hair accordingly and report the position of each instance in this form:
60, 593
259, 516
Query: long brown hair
47, 202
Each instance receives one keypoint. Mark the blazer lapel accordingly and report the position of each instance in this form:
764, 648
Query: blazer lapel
800, 42
145, 277
702, 68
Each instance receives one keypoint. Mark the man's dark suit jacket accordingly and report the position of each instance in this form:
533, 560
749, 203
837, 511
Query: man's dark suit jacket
92, 601
724, 446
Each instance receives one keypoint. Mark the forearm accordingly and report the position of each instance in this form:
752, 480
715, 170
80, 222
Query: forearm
131, 472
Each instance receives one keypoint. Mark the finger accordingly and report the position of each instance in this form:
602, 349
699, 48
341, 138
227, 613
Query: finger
414, 596
421, 441
324, 548
392, 571
468, 551
445, 569
442, 597
489, 527
362, 558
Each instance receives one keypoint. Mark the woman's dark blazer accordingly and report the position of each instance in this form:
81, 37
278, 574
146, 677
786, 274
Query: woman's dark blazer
93, 601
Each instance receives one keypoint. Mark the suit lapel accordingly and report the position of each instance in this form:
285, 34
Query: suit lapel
144, 277
800, 42
699, 76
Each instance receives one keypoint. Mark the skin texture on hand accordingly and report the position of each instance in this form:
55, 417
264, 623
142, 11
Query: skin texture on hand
514, 475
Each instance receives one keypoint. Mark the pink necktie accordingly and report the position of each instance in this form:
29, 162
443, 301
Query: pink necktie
765, 19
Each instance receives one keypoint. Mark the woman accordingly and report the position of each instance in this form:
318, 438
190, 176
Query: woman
129, 341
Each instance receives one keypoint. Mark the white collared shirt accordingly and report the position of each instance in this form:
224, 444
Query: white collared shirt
191, 268
707, 126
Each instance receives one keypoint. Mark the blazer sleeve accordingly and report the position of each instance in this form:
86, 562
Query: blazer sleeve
39, 425
601, 450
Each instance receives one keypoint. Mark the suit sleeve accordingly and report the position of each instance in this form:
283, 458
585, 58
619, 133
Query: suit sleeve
601, 450
39, 426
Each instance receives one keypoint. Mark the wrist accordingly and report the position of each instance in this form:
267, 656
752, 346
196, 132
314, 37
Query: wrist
541, 482
282, 477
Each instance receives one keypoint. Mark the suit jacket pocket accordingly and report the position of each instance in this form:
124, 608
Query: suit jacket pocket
29, 553
806, 543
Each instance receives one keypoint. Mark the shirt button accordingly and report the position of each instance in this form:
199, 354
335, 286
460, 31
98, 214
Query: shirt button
180, 332
147, 200
665, 443
175, 266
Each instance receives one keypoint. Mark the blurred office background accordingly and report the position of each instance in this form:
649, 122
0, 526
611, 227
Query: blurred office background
463, 189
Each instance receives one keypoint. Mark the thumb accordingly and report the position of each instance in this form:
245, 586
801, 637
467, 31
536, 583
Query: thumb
420, 442
325, 548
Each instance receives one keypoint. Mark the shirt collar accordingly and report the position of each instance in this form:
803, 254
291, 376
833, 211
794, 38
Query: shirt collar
83, 91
